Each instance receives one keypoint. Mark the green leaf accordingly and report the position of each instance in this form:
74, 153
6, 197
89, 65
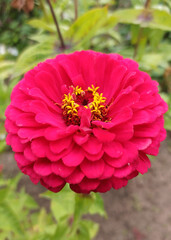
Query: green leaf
41, 38
142, 43
98, 206
161, 20
13, 183
155, 41
151, 61
42, 220
91, 227
2, 145
134, 33
3, 194
33, 55
62, 231
87, 25
62, 204
167, 116
110, 22
82, 232
153, 18
9, 220
5, 69
82, 204
42, 24
92, 203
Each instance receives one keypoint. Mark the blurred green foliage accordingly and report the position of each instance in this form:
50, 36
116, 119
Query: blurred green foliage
21, 217
14, 30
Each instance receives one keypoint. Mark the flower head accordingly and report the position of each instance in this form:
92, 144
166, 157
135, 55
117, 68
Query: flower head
88, 119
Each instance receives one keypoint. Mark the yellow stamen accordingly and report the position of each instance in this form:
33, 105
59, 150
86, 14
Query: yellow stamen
70, 106
78, 90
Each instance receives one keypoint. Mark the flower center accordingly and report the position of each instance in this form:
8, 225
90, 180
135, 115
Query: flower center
78, 98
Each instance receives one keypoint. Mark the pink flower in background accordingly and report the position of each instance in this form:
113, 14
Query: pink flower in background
88, 119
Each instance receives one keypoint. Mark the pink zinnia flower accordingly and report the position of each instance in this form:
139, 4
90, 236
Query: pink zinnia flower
88, 119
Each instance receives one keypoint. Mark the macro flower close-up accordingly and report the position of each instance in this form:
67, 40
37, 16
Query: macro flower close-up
87, 118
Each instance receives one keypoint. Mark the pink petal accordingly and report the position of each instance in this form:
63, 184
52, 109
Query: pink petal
147, 130
21, 160
85, 115
31, 133
141, 143
42, 80
50, 119
119, 182
38, 106
56, 156
80, 138
123, 172
59, 145
140, 117
104, 186
10, 126
130, 150
28, 170
124, 132
94, 157
29, 154
37, 94
26, 120
92, 169
75, 177
118, 72
53, 189
77, 189
89, 184
105, 125
35, 180
52, 133
122, 116
16, 144
19, 98
107, 172
132, 175
60, 169
113, 149
163, 134
53, 181
12, 113
78, 81
42, 167
39, 147
93, 146
116, 162
143, 164
103, 135
74, 158
125, 99
50, 67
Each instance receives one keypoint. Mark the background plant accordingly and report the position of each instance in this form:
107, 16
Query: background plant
21, 216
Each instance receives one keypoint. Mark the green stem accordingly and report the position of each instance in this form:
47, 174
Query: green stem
76, 9
146, 6
138, 42
56, 24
